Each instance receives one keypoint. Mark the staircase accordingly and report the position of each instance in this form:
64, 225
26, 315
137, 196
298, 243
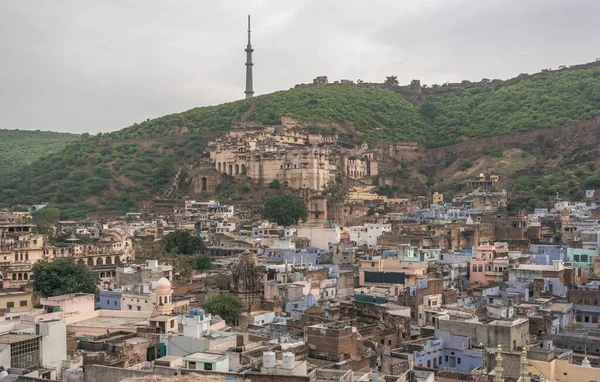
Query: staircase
535, 371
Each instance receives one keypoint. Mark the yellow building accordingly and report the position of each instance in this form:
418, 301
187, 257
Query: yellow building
438, 198
16, 301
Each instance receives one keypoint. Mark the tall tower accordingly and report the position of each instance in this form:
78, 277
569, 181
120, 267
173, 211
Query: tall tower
249, 85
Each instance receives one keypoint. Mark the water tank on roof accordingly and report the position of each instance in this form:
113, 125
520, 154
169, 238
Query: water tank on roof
269, 359
287, 360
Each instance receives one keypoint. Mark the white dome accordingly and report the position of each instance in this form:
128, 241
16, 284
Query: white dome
163, 283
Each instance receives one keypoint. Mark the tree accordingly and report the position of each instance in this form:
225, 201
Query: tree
391, 81
45, 219
183, 243
275, 184
227, 306
336, 192
285, 210
415, 84
203, 263
63, 276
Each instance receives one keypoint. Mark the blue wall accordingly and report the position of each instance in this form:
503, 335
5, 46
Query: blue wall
110, 299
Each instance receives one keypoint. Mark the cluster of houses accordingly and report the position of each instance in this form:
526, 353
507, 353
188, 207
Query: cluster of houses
453, 291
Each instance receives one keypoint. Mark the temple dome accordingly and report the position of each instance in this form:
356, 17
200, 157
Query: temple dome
163, 284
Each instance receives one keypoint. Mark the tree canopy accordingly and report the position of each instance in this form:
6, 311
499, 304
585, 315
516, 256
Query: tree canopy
285, 210
391, 81
227, 306
202, 263
45, 219
63, 276
183, 243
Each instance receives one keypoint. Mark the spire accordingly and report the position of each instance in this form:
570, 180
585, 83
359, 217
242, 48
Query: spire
249, 84
499, 377
523, 375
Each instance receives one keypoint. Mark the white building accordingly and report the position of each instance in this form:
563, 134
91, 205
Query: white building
368, 233
320, 237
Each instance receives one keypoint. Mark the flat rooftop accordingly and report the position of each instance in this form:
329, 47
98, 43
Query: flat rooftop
6, 294
162, 318
111, 322
12, 338
203, 356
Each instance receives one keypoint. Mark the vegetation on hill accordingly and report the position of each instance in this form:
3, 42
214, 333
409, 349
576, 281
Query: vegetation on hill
91, 176
23, 147
546, 100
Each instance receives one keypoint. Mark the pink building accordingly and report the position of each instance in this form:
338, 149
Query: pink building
486, 267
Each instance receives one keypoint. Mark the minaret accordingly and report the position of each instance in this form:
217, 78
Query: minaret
523, 374
249, 86
499, 377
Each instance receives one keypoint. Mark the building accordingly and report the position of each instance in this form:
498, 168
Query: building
487, 266
207, 362
368, 233
18, 301
484, 181
333, 341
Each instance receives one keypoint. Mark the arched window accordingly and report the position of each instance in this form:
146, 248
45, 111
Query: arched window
237, 169
474, 268
480, 268
90, 261
25, 276
20, 276
14, 276
117, 260
108, 261
244, 169
219, 166
99, 261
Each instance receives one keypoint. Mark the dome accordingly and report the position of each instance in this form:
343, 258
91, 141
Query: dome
163, 283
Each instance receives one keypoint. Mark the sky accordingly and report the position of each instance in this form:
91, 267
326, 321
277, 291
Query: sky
96, 66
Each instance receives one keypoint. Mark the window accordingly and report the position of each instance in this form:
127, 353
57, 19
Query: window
10, 304
446, 358
458, 360
25, 354
208, 366
428, 363
452, 362
576, 258
474, 268
584, 258
139, 308
23, 303
130, 307
115, 302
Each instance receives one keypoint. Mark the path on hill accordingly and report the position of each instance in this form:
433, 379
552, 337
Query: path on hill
252, 108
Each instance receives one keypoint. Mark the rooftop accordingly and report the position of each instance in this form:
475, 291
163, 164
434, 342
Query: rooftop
109, 322
12, 338
205, 356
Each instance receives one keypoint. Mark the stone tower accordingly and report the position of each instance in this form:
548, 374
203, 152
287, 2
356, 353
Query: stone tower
249, 85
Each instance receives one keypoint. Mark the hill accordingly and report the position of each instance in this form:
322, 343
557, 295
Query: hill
97, 174
23, 147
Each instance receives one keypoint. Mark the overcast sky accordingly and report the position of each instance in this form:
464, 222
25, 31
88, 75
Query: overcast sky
91, 66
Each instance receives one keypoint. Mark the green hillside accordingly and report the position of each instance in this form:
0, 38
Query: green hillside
23, 147
86, 177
